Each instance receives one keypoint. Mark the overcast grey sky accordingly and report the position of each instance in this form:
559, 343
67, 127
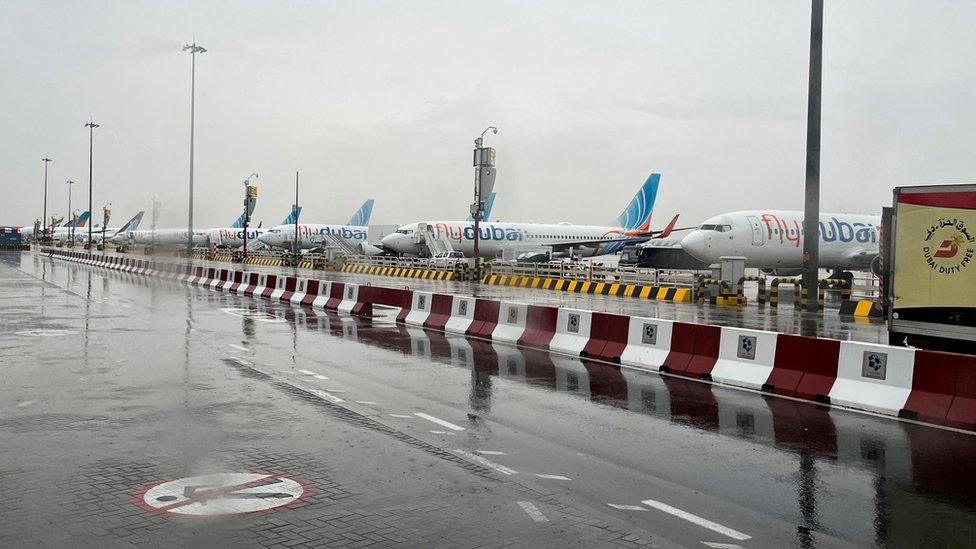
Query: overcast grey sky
383, 99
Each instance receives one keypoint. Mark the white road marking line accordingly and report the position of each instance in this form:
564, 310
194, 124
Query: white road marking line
532, 511
326, 396
695, 519
401, 416
443, 433
335, 390
490, 453
716, 545
439, 421
626, 507
490, 464
313, 374
238, 347
24, 403
366, 402
552, 477
241, 361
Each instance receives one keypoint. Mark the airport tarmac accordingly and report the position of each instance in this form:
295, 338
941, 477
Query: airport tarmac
783, 319
118, 385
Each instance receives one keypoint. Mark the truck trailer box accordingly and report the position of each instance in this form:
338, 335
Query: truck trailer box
932, 267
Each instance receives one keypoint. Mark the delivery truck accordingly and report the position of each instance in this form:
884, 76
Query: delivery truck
930, 262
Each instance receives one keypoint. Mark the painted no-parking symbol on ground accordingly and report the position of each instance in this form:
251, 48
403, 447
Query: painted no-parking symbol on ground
221, 494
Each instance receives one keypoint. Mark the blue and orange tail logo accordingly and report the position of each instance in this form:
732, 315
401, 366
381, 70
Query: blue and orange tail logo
636, 217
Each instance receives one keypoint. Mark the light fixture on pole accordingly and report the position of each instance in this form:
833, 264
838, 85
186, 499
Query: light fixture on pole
250, 200
106, 214
91, 125
484, 180
194, 49
46, 160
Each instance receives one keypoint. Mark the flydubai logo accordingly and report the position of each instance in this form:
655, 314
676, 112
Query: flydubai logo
949, 247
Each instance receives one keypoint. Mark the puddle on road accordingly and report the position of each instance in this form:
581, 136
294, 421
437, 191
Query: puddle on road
252, 315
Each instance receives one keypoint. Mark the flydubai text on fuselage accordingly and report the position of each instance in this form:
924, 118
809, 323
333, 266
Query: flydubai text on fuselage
773, 239
494, 237
312, 235
231, 237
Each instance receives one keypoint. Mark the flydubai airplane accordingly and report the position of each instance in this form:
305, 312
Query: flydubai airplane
97, 231
312, 235
630, 227
772, 240
233, 237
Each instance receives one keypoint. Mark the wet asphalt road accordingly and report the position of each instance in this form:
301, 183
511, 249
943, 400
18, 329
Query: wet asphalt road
112, 381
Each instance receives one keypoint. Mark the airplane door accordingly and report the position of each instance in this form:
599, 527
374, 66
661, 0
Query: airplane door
758, 236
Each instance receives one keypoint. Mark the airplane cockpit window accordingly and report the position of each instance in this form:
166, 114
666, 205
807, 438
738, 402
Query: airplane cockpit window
723, 228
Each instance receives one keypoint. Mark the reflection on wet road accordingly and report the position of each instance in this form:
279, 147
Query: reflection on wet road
684, 459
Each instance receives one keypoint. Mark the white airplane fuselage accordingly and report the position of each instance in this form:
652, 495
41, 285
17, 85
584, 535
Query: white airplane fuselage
495, 237
773, 239
160, 237
314, 235
233, 237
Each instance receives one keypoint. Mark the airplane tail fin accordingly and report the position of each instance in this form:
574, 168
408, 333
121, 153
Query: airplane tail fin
239, 224
637, 215
83, 219
132, 224
485, 215
361, 217
666, 232
293, 216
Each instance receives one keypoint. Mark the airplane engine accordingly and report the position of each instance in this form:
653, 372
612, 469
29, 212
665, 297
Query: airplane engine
366, 248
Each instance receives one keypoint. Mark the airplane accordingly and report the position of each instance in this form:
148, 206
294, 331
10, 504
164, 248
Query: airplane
98, 230
64, 233
313, 235
772, 240
630, 227
233, 237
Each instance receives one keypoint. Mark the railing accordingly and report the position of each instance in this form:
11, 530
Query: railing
593, 272
406, 262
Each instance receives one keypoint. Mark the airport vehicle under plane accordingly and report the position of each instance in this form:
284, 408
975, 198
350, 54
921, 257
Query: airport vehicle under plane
317, 235
772, 240
630, 227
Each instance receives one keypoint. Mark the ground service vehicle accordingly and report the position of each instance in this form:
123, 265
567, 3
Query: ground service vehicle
931, 263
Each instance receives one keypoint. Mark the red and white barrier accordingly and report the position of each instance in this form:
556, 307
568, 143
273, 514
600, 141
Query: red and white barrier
540, 326
648, 343
745, 358
350, 299
804, 367
310, 291
511, 322
323, 294
291, 284
236, 281
279, 288
876, 378
462, 315
609, 337
269, 287
301, 287
420, 305
441, 306
572, 331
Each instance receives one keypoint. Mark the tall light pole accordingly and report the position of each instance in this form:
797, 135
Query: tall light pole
484, 164
296, 218
194, 49
71, 237
46, 160
91, 125
811, 207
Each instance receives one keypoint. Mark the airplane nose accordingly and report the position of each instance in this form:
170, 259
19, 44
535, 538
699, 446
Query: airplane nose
389, 241
694, 243
265, 238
